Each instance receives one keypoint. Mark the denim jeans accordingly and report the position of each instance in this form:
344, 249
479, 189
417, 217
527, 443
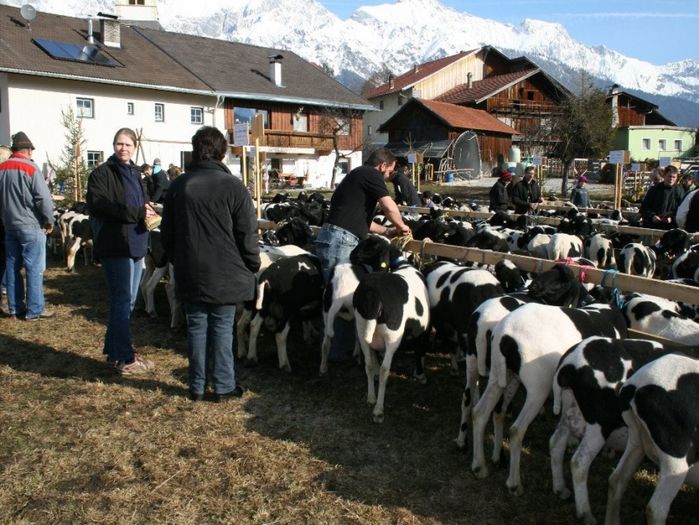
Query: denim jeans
333, 246
210, 346
28, 248
123, 275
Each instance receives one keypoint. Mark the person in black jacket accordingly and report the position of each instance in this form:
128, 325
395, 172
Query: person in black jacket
118, 206
406, 194
526, 194
161, 183
209, 233
499, 197
661, 201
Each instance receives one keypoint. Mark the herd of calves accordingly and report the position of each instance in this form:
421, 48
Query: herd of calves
550, 334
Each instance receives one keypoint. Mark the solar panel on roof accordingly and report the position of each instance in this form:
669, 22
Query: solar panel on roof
75, 53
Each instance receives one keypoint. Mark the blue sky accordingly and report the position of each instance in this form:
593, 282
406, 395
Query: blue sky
658, 31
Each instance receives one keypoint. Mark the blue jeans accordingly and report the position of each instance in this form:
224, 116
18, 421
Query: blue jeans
333, 246
123, 275
210, 346
28, 248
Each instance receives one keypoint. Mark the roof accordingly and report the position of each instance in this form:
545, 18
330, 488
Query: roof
486, 88
458, 117
241, 70
413, 76
143, 65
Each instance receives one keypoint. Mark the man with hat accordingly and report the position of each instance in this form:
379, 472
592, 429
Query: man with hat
161, 182
580, 196
27, 214
499, 197
687, 216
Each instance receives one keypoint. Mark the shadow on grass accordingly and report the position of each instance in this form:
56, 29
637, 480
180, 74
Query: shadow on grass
25, 356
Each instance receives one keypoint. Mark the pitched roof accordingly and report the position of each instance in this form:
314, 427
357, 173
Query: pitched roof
486, 88
241, 70
414, 75
143, 64
458, 117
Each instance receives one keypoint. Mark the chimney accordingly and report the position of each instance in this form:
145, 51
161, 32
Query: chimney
469, 81
90, 36
110, 30
390, 81
416, 68
275, 69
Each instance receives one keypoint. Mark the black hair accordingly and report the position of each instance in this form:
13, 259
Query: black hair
380, 156
208, 143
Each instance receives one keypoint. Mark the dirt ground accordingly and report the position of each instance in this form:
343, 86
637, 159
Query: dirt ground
83, 445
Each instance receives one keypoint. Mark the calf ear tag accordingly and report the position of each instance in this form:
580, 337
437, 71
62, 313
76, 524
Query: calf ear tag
383, 264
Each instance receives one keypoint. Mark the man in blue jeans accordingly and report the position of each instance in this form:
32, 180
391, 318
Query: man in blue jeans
27, 215
352, 208
209, 232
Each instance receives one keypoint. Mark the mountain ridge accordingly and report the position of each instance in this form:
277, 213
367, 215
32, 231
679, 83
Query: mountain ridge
402, 34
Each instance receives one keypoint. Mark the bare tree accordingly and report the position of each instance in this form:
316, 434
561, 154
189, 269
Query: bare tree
337, 122
584, 128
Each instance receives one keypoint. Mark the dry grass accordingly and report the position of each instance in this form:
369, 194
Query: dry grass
82, 445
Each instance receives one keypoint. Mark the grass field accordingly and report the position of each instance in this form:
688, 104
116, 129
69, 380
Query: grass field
83, 445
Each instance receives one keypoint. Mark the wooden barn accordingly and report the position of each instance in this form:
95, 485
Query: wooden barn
430, 127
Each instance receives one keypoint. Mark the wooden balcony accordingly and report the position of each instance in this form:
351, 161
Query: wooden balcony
321, 142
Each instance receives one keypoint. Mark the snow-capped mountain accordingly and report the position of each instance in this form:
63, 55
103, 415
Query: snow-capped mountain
402, 33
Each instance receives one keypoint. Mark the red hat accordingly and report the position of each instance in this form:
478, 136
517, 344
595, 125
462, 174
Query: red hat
506, 175
582, 178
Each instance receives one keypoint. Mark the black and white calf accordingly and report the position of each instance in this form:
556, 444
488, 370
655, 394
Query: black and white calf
585, 389
375, 253
526, 348
78, 234
600, 250
659, 407
288, 289
661, 317
389, 307
637, 259
454, 293
558, 286
564, 245
156, 267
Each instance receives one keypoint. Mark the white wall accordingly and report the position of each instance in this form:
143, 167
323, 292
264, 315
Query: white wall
35, 105
4, 111
376, 118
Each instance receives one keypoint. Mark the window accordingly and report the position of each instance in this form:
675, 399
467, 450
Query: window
343, 126
380, 104
530, 95
94, 159
136, 2
85, 107
243, 115
129, 108
646, 144
196, 115
300, 122
159, 112
369, 130
662, 144
678, 145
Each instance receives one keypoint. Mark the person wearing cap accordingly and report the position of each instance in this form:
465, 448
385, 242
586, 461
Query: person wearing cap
687, 216
526, 194
580, 196
499, 197
27, 216
161, 182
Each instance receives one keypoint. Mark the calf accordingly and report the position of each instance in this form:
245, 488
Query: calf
564, 245
687, 264
558, 286
389, 307
661, 317
157, 266
600, 250
526, 347
79, 235
375, 253
637, 259
585, 388
454, 293
288, 289
659, 407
